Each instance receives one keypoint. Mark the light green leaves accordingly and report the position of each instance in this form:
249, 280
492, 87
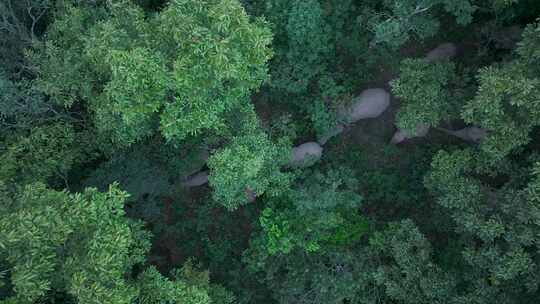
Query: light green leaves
96, 240
83, 245
424, 92
326, 205
46, 152
136, 92
155, 288
218, 58
250, 163
180, 71
506, 102
138, 83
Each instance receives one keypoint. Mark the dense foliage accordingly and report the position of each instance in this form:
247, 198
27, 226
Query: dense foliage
152, 151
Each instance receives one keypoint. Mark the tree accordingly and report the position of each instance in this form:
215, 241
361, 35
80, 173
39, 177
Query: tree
396, 264
307, 260
326, 203
142, 95
425, 90
82, 245
408, 273
332, 277
504, 103
137, 75
250, 163
301, 68
20, 26
307, 45
496, 225
321, 56
23, 106
190, 286
402, 20
45, 154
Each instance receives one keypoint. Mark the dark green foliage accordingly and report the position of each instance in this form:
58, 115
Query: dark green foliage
308, 39
135, 172
406, 19
330, 223
327, 205
21, 22
504, 103
409, 274
497, 223
83, 245
390, 179
317, 62
140, 95
326, 277
46, 153
396, 265
143, 178
22, 106
424, 91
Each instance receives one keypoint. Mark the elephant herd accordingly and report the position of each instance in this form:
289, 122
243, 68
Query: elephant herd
371, 103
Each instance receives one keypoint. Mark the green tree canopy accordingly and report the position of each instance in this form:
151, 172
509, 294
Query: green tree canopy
137, 74
497, 225
403, 20
83, 246
424, 89
43, 154
505, 103
250, 162
327, 205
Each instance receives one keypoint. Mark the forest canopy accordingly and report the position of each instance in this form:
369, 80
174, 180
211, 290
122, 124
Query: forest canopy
269, 151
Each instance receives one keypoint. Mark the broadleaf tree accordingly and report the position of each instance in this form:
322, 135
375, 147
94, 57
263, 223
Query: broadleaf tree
139, 76
84, 246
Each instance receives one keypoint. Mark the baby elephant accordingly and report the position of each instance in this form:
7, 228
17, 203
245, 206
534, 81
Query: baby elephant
401, 135
197, 179
305, 154
444, 51
471, 134
370, 104
338, 129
